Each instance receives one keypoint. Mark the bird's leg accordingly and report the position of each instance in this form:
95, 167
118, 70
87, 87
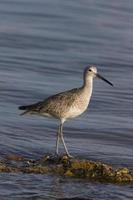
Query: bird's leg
61, 134
57, 141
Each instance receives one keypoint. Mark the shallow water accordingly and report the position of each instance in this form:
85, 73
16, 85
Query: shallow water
44, 47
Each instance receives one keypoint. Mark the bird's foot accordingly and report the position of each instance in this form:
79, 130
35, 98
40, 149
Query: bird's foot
69, 156
54, 157
64, 156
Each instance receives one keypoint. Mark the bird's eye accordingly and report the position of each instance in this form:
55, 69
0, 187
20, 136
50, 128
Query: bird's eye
89, 70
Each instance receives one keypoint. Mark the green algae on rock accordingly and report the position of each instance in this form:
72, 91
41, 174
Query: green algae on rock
68, 167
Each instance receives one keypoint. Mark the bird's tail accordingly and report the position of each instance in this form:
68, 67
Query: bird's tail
23, 107
26, 108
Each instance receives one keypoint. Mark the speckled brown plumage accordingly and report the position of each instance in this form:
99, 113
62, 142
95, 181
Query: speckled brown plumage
59, 105
66, 105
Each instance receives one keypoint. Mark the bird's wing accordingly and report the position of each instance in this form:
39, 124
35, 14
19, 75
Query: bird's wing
55, 104
59, 101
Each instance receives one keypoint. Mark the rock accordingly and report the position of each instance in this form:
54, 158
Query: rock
68, 167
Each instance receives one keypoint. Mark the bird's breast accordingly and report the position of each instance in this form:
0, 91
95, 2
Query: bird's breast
78, 107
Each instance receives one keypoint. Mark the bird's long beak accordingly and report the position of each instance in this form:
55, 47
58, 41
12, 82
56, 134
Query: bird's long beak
102, 78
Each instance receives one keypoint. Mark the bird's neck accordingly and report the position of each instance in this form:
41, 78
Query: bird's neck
88, 83
87, 87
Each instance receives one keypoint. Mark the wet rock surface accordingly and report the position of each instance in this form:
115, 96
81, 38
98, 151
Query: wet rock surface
67, 167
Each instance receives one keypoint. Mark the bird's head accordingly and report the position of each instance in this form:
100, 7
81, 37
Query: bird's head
91, 70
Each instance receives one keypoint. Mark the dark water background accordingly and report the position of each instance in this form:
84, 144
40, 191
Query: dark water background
44, 47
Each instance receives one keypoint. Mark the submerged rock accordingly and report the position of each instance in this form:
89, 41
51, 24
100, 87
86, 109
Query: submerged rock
67, 167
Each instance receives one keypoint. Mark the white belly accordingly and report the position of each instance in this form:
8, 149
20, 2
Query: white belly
75, 111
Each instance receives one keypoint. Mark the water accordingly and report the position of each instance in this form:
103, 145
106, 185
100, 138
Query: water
44, 47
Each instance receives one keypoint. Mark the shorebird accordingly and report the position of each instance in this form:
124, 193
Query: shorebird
66, 105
